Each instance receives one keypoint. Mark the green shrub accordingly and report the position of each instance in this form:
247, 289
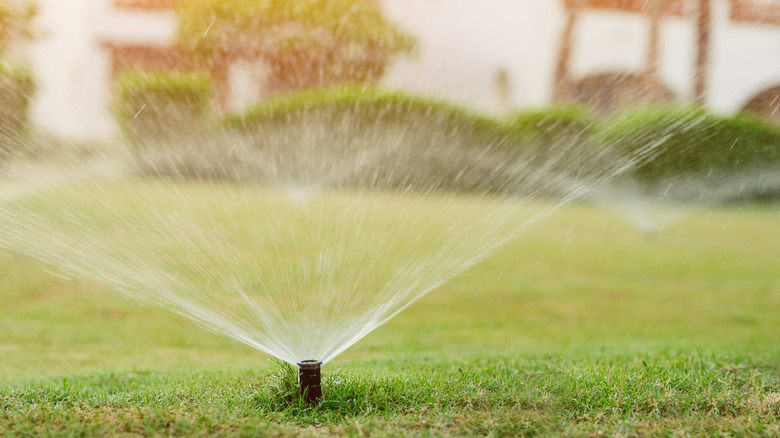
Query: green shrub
558, 137
546, 127
164, 116
17, 87
160, 105
365, 137
696, 148
693, 141
370, 106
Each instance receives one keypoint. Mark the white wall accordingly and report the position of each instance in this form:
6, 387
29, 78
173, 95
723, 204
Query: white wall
61, 59
610, 41
462, 43
745, 60
677, 56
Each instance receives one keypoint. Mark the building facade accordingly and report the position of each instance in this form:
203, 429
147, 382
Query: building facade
495, 55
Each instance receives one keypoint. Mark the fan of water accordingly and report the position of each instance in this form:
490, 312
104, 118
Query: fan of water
310, 235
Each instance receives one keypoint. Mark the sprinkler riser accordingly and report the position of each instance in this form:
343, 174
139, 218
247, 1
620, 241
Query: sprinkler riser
309, 380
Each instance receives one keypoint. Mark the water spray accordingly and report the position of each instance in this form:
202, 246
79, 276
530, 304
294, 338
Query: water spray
309, 378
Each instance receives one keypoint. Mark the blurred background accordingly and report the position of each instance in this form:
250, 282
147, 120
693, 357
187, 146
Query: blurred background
495, 55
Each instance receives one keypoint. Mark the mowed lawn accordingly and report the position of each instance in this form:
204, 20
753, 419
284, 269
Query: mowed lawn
581, 326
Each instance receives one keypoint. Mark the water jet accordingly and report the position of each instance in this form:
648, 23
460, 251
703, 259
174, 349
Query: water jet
325, 223
309, 379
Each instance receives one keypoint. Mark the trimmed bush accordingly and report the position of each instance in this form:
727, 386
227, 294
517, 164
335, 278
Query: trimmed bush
547, 127
160, 105
694, 146
561, 136
17, 87
370, 106
694, 141
364, 137
164, 116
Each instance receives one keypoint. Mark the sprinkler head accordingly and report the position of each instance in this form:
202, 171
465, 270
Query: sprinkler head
310, 380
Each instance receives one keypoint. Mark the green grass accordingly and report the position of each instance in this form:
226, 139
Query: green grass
661, 393
581, 327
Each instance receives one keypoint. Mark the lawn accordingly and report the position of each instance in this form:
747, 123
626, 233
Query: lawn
581, 326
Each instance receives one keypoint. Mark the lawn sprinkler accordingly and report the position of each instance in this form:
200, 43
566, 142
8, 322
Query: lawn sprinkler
310, 380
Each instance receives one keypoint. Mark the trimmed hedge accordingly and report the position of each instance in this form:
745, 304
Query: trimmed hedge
364, 137
158, 105
162, 115
545, 128
370, 104
560, 138
17, 88
704, 155
693, 141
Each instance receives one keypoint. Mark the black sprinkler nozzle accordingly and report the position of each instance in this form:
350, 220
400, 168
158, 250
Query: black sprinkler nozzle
310, 380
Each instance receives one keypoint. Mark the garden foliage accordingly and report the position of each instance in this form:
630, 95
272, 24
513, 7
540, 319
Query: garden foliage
158, 105
17, 87
363, 137
160, 114
693, 146
548, 128
694, 141
359, 136
16, 22
306, 43
17, 84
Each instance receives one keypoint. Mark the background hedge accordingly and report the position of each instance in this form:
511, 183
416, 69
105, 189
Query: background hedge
160, 115
364, 137
695, 147
694, 141
384, 139
552, 128
561, 139
361, 137
160, 104
17, 88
